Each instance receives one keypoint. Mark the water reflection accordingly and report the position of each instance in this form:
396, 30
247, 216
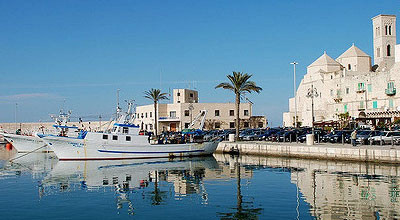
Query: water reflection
339, 190
233, 187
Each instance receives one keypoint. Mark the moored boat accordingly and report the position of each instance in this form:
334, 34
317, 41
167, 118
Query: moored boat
28, 143
123, 142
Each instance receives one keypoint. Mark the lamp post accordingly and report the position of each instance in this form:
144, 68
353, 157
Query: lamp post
312, 93
294, 92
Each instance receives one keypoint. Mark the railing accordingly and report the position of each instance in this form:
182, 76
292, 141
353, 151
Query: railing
390, 91
168, 118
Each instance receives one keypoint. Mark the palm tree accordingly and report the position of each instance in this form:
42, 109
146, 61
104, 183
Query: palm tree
240, 85
155, 95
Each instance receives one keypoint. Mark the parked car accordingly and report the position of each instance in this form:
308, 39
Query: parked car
385, 137
339, 136
364, 135
252, 135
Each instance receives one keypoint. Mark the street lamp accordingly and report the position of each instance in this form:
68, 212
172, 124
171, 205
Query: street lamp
294, 92
312, 93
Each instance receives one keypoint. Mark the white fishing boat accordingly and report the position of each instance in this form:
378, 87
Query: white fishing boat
28, 143
123, 142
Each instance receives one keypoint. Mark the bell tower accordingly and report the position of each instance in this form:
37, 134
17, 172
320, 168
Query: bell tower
384, 32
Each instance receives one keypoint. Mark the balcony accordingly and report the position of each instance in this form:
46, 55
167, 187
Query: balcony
390, 91
161, 119
361, 90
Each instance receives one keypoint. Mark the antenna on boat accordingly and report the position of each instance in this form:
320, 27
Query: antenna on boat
118, 108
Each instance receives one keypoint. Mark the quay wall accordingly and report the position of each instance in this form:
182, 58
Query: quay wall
379, 154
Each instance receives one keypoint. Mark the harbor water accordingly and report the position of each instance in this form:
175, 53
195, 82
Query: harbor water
38, 186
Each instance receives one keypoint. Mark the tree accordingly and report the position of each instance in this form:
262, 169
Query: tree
155, 95
240, 85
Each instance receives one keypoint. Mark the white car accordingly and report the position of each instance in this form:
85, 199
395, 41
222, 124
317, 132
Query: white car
386, 137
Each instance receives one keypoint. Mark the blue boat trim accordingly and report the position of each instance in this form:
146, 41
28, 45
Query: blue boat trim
148, 152
126, 125
62, 126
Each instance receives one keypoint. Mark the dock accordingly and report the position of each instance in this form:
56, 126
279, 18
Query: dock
326, 151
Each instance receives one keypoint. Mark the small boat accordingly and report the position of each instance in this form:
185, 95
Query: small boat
123, 142
28, 143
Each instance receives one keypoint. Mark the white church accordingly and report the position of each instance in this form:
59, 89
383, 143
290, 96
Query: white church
350, 83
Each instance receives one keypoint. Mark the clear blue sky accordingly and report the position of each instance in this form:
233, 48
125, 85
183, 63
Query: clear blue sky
82, 51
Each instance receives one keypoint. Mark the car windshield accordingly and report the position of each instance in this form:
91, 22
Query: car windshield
364, 132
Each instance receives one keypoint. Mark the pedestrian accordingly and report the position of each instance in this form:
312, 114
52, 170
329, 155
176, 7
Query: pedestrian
354, 137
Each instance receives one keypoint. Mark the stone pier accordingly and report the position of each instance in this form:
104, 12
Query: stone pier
365, 153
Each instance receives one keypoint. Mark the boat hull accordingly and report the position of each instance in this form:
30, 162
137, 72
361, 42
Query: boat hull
81, 149
24, 143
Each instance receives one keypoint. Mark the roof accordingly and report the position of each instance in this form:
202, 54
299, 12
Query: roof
353, 51
324, 60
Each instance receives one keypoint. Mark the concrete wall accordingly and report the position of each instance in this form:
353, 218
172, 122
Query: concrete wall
383, 154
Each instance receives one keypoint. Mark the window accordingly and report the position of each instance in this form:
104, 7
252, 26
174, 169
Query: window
145, 127
390, 103
231, 124
191, 95
345, 108
361, 86
260, 124
217, 125
388, 50
172, 114
187, 125
179, 101
361, 104
375, 104
246, 124
386, 30
151, 126
178, 94
142, 115
369, 86
349, 66
187, 112
390, 85
390, 30
231, 112
151, 114
216, 112
128, 138
378, 52
347, 90
246, 112
105, 137
115, 137
146, 114
125, 130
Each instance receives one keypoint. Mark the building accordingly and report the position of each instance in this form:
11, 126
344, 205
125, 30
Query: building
351, 85
185, 107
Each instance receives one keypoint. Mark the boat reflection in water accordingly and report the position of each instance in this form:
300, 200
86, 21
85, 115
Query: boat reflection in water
36, 164
338, 190
128, 176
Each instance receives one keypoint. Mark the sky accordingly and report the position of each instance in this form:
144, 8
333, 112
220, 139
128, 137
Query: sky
76, 54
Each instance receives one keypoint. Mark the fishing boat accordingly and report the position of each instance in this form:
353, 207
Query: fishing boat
27, 143
123, 142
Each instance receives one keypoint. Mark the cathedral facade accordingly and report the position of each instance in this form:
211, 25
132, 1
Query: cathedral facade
351, 84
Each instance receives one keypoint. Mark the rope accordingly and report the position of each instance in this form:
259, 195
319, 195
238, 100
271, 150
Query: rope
28, 153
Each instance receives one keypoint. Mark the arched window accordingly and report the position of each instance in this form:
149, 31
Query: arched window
349, 66
388, 50
390, 30
386, 30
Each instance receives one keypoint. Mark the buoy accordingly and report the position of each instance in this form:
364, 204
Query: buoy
9, 146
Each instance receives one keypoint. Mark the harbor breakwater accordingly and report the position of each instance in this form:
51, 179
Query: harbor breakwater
365, 153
